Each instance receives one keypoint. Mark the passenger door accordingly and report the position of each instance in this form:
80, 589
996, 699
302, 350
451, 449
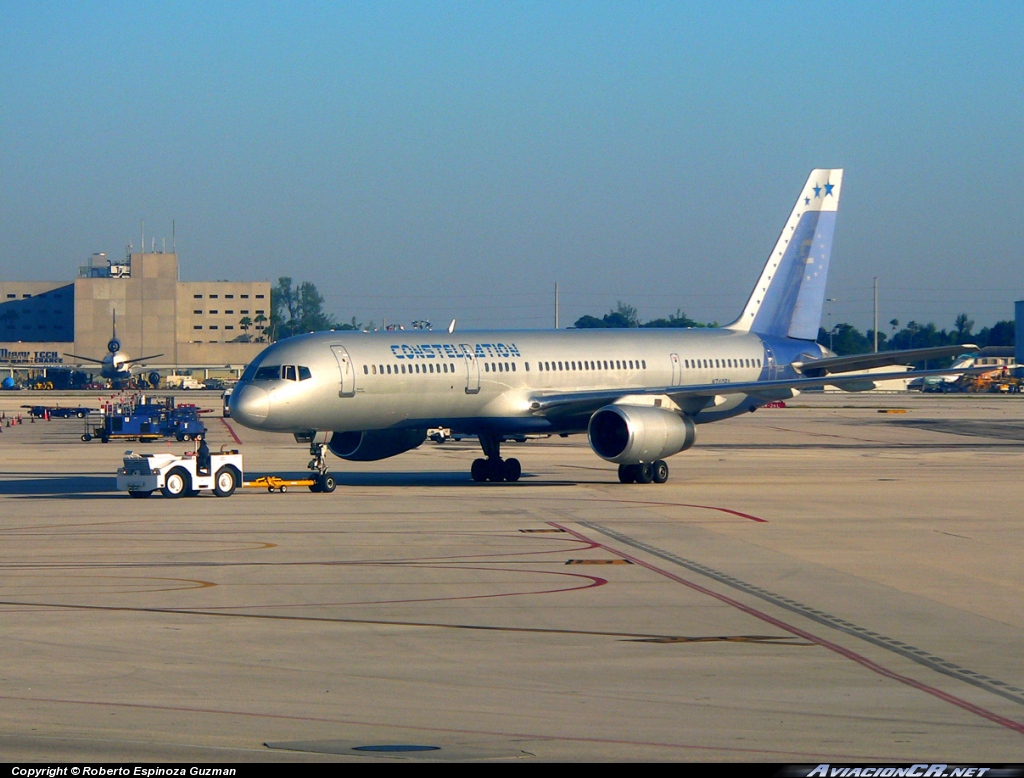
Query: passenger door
348, 373
472, 368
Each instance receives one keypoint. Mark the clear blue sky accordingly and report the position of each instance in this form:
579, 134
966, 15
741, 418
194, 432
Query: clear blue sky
438, 160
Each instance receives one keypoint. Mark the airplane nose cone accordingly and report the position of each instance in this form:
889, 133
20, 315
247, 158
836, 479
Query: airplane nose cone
250, 405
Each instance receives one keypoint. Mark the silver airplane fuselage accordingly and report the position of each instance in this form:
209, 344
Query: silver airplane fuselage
487, 381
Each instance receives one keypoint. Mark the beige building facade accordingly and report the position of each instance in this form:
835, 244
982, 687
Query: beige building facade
189, 324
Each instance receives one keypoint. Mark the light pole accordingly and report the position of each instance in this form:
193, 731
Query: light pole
831, 329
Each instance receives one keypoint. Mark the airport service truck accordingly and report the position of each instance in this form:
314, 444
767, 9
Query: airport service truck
178, 475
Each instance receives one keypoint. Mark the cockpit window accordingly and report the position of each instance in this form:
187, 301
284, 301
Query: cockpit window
304, 373
288, 373
268, 373
251, 368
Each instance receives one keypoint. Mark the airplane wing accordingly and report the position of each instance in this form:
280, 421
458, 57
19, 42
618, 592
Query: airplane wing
86, 359
697, 396
140, 359
816, 368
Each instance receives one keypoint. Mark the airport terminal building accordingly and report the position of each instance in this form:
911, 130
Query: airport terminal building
190, 324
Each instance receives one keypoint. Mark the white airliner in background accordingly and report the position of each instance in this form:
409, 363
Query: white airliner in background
637, 393
116, 365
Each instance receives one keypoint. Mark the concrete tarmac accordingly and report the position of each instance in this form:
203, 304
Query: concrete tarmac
820, 583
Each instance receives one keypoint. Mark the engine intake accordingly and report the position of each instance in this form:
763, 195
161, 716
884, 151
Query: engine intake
637, 434
372, 445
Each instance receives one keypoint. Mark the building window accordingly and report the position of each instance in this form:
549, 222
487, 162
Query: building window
244, 312
229, 326
197, 326
26, 295
11, 295
228, 311
213, 326
245, 297
213, 297
259, 311
212, 312
229, 297
198, 312
198, 296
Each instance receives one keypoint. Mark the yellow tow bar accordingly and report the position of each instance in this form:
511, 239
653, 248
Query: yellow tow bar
272, 483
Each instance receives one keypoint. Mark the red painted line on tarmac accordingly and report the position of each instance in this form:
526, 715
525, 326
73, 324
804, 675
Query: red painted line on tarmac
689, 505
1016, 726
546, 737
231, 431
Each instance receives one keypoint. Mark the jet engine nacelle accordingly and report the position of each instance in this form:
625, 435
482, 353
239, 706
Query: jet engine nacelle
372, 445
638, 434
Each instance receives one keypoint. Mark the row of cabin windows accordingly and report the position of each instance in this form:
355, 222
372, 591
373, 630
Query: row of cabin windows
709, 363
509, 367
282, 372
594, 364
444, 367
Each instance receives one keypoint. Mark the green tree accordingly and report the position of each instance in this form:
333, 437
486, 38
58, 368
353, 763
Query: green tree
677, 319
963, 328
297, 309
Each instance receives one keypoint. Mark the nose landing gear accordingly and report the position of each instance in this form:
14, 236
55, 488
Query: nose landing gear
323, 481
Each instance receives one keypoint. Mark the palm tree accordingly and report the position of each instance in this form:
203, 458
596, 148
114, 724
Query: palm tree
260, 326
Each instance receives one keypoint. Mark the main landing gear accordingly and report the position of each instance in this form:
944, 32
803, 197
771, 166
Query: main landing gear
650, 472
323, 481
494, 468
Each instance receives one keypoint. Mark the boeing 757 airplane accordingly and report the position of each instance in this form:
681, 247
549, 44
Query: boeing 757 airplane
637, 393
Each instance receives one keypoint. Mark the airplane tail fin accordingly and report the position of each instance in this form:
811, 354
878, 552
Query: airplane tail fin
114, 345
790, 293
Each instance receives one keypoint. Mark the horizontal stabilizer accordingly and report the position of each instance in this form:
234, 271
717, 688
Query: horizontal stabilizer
86, 359
819, 367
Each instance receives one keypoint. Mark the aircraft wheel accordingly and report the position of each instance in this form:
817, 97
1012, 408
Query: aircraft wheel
660, 471
224, 482
315, 486
327, 483
513, 470
645, 473
176, 484
479, 470
627, 474
495, 470
140, 494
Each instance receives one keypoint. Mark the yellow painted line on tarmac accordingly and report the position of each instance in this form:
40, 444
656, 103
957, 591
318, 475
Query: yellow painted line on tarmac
892, 410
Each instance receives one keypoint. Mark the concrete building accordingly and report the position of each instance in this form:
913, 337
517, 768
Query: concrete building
188, 323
